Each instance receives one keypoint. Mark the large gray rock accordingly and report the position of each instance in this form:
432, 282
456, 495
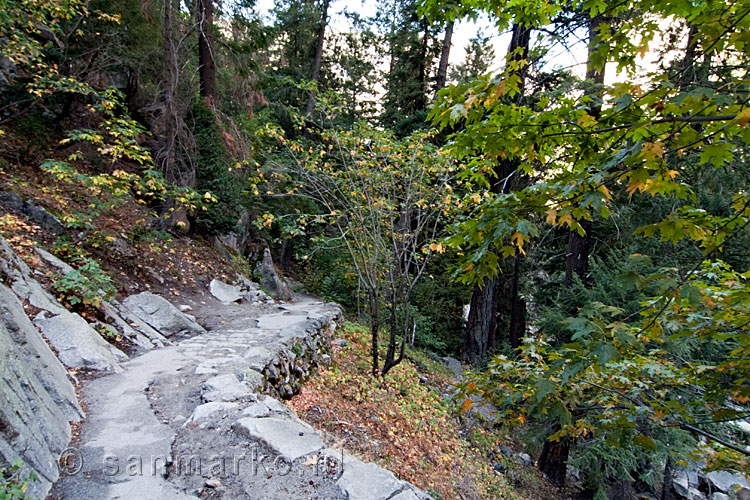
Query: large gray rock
207, 410
271, 280
14, 270
453, 365
224, 292
726, 482
227, 388
37, 399
63, 267
46, 220
363, 481
12, 200
290, 438
77, 344
128, 323
160, 314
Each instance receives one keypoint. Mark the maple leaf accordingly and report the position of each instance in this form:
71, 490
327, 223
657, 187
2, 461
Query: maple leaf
586, 121
743, 117
551, 216
653, 150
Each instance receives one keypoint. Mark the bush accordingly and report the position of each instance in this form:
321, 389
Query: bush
12, 484
86, 285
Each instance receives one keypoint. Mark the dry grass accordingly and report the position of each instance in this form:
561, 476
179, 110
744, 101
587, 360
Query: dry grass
399, 423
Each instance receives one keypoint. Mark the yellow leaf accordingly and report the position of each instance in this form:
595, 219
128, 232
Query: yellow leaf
586, 121
653, 150
643, 50
743, 117
437, 247
565, 219
466, 405
634, 186
671, 174
551, 216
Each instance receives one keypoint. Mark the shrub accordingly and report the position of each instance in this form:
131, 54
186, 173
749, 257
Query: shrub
86, 285
12, 484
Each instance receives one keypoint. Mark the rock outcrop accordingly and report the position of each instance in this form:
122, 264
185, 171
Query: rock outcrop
160, 314
37, 399
225, 292
78, 345
41, 216
271, 280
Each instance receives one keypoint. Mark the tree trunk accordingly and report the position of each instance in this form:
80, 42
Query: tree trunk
170, 122
442, 73
480, 327
374, 329
286, 254
553, 461
481, 332
422, 79
317, 62
518, 309
554, 458
577, 257
206, 59
518, 50
666, 490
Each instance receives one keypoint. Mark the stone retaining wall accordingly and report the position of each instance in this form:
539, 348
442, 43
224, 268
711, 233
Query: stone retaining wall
306, 346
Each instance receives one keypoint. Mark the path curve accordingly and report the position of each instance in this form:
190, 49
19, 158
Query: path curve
186, 421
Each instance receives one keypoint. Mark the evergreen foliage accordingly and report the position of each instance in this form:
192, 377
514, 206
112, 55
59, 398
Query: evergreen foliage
214, 174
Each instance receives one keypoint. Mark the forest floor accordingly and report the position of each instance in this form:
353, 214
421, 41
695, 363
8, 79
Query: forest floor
408, 423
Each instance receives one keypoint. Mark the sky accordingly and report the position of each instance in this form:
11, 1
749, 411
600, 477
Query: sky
573, 57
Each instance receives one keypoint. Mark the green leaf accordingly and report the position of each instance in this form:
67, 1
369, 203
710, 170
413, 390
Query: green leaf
718, 154
605, 352
544, 387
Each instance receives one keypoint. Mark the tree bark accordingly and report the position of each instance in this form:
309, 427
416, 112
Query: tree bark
442, 73
481, 332
554, 458
666, 490
520, 39
577, 257
206, 59
318, 61
553, 461
422, 99
374, 329
170, 118
482, 322
518, 308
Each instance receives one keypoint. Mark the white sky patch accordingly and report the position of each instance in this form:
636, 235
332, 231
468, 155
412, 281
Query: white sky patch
572, 57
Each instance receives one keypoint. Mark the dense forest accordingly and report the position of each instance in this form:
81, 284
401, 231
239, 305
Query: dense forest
568, 216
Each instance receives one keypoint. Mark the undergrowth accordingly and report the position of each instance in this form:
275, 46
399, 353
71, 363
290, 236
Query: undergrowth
399, 422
